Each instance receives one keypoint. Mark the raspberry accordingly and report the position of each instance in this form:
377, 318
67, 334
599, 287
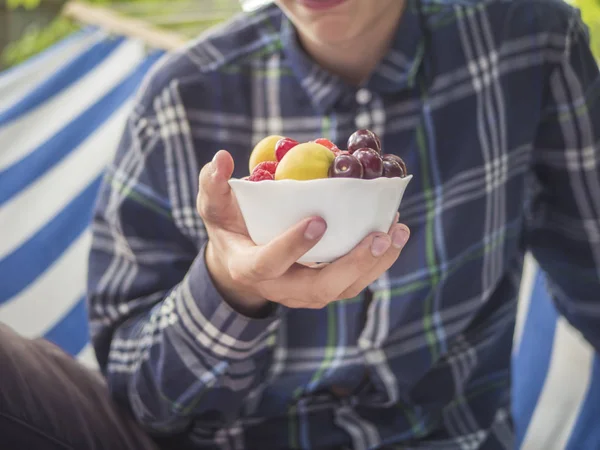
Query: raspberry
269, 166
327, 143
260, 175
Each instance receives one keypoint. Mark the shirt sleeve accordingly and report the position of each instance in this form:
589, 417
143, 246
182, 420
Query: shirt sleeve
563, 231
172, 350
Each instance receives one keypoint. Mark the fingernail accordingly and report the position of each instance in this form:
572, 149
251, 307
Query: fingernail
379, 246
315, 230
400, 237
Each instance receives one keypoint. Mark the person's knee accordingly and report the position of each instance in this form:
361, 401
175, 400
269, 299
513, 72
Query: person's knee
8, 337
13, 353
47, 390
24, 384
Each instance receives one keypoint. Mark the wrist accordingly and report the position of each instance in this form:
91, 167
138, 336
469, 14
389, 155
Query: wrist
238, 297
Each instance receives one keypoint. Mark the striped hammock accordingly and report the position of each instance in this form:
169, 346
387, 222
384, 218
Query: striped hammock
61, 117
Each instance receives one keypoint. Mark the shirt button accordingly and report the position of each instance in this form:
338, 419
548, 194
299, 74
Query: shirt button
363, 96
362, 121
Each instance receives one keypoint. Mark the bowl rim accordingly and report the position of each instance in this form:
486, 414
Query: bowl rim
405, 179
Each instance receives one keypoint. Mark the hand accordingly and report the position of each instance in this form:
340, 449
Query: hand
249, 276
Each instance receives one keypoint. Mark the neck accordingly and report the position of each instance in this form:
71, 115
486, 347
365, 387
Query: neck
355, 59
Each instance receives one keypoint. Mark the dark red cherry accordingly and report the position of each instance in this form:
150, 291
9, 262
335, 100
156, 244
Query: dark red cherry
346, 166
364, 139
371, 162
400, 161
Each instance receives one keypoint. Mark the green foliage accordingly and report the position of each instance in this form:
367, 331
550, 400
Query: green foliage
27, 4
590, 12
188, 17
37, 39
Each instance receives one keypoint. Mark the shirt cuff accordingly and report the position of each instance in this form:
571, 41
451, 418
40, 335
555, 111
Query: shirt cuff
218, 326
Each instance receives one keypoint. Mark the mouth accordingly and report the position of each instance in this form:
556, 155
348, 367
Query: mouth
321, 4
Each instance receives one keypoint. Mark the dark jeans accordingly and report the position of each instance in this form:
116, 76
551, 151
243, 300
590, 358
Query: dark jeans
49, 401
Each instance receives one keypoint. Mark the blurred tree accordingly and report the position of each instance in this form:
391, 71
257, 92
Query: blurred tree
188, 17
37, 34
590, 11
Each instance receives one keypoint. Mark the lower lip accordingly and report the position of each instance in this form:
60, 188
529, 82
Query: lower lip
321, 4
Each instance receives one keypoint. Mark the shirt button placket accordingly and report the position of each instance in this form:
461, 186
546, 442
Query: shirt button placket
363, 96
363, 118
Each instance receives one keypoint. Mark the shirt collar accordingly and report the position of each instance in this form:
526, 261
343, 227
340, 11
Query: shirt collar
400, 66
396, 71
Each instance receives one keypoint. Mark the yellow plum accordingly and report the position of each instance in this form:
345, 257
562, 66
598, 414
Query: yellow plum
308, 161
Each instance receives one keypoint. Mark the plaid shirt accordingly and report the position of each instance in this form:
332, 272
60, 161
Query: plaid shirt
494, 105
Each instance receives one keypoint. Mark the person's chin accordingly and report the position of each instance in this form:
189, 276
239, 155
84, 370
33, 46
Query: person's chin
331, 35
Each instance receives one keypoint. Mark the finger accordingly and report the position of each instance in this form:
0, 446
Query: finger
215, 174
215, 195
315, 289
271, 261
335, 278
400, 235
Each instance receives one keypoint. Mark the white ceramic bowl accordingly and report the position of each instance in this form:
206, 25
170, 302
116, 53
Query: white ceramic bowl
352, 208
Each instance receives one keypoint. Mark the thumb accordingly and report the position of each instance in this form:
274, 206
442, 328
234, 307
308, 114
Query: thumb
222, 167
214, 195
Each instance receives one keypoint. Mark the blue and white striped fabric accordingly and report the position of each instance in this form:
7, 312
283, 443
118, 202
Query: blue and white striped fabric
556, 375
61, 117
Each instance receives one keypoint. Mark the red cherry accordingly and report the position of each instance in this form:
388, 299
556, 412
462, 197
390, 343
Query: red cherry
346, 166
400, 161
364, 139
391, 169
371, 162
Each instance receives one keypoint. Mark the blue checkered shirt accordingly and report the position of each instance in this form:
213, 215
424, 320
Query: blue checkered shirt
495, 107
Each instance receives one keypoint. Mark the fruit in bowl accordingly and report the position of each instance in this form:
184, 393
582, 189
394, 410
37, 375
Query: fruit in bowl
263, 151
308, 161
356, 191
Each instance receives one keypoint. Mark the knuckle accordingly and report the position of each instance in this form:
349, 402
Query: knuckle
315, 299
201, 211
324, 304
388, 260
202, 206
363, 260
205, 172
236, 275
261, 270
353, 292
319, 299
314, 305
285, 302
